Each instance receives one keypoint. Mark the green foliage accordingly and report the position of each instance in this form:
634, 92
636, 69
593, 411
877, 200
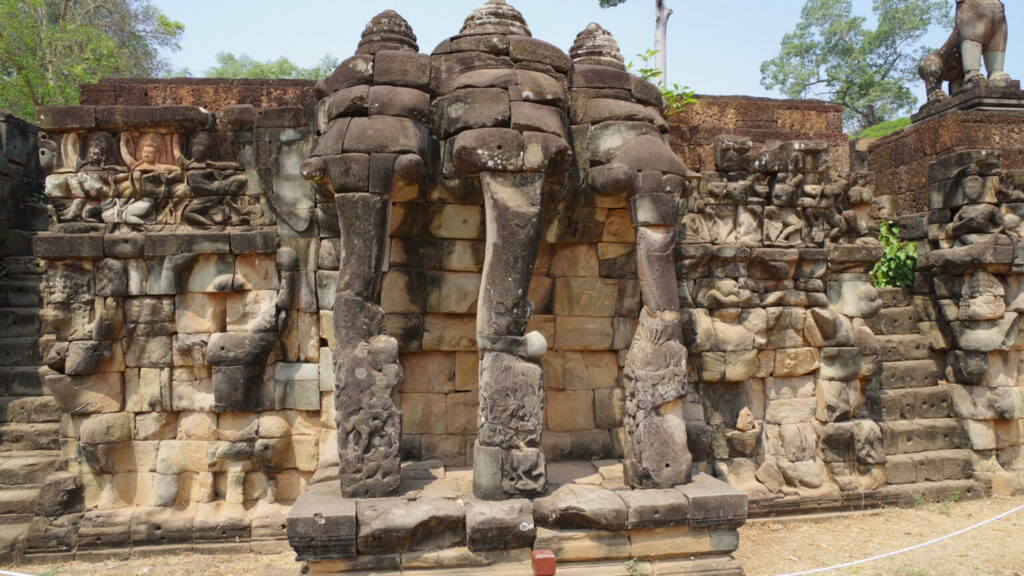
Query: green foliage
636, 568
831, 54
883, 129
676, 97
610, 3
244, 66
49, 47
946, 508
896, 268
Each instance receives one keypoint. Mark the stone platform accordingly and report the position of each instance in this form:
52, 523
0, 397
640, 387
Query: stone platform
589, 518
1000, 96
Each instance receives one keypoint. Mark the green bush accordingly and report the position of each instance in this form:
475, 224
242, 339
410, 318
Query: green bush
896, 268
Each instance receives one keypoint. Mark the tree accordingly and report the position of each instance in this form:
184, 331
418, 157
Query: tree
49, 47
831, 54
661, 15
244, 66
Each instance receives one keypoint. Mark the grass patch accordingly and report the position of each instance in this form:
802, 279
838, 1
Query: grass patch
884, 129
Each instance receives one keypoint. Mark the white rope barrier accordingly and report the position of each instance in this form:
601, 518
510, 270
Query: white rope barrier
910, 549
6, 573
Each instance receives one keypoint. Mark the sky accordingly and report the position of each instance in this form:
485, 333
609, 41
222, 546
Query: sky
714, 47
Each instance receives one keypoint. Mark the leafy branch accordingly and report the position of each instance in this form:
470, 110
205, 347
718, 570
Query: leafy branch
675, 97
899, 258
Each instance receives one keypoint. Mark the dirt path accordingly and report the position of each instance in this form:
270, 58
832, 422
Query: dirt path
767, 547
772, 548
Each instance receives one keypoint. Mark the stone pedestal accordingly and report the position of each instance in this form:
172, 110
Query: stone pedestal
689, 530
982, 116
983, 95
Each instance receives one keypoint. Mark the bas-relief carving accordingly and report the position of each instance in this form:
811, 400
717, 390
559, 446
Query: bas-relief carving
146, 179
980, 32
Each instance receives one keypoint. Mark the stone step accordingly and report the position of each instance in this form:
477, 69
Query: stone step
913, 436
890, 495
911, 403
897, 348
28, 467
930, 467
29, 409
20, 293
12, 537
912, 373
18, 501
20, 322
16, 437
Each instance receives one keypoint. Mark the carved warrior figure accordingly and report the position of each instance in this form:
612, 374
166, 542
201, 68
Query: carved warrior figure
980, 31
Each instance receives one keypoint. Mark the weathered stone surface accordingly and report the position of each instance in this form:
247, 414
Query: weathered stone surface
100, 393
322, 525
504, 525
655, 508
714, 503
389, 525
581, 506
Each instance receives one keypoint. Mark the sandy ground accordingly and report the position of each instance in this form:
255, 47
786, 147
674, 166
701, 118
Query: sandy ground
768, 547
775, 547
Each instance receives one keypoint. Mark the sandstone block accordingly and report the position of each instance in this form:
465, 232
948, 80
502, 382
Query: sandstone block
581, 506
648, 509
449, 333
177, 456
100, 393
583, 333
461, 413
577, 296
192, 389
197, 426
503, 525
568, 411
322, 525
590, 370
457, 222
670, 542
583, 545
390, 525
156, 426
568, 260
423, 413
148, 389
795, 362
106, 429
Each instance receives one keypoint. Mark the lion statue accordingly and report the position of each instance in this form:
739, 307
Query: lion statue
980, 30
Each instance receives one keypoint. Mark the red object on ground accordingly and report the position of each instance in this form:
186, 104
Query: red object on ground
543, 563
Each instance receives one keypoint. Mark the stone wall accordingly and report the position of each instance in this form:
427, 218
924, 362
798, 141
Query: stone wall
162, 296
762, 120
182, 298
901, 160
29, 418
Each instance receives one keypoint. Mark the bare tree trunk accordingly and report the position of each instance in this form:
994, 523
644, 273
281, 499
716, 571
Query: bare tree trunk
662, 14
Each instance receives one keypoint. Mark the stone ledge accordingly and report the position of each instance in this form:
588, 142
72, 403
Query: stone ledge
981, 95
428, 527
